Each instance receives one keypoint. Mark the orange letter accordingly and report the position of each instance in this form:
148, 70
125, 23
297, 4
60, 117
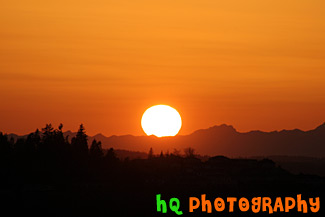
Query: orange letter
302, 203
219, 204
243, 204
206, 203
231, 201
256, 204
267, 203
192, 207
278, 204
287, 206
314, 206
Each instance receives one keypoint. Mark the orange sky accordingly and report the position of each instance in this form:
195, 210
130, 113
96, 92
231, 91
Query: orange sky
252, 64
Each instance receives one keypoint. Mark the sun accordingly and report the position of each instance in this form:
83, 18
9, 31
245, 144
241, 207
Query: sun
161, 120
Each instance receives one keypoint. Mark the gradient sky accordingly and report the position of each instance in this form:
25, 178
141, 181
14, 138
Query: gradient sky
252, 64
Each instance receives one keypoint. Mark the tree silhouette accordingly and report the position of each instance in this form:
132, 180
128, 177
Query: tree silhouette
189, 152
6, 149
150, 154
110, 157
60, 142
5, 146
161, 154
47, 131
47, 143
50, 147
79, 143
32, 142
96, 151
176, 152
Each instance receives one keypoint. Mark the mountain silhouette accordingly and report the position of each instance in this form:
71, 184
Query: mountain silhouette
224, 140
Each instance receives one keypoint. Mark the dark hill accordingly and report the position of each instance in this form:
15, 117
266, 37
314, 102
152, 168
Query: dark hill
225, 140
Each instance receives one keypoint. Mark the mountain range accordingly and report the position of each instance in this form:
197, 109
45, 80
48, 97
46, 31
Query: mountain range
223, 140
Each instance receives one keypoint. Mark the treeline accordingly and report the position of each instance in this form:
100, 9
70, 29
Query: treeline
50, 144
49, 150
47, 155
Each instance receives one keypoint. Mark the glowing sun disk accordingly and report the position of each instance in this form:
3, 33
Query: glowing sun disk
161, 120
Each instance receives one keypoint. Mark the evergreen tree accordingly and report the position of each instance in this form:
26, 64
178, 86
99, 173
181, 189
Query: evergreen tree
47, 131
96, 151
47, 141
110, 156
5, 147
59, 140
161, 154
150, 154
33, 141
79, 143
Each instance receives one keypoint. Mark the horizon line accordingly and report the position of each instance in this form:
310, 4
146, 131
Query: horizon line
221, 125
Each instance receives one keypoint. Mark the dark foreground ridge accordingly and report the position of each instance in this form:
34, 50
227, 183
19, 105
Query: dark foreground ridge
47, 175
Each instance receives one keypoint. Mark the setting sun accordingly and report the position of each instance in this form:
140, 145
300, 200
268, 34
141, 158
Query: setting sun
161, 120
